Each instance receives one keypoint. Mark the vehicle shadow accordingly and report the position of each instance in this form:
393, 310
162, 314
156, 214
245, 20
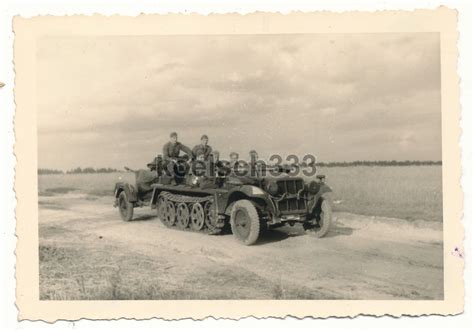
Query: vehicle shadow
285, 232
142, 218
275, 235
338, 229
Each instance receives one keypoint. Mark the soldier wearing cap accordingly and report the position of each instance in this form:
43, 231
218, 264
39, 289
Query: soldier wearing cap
220, 168
175, 170
233, 163
253, 156
202, 148
234, 157
172, 148
215, 156
156, 164
204, 176
255, 167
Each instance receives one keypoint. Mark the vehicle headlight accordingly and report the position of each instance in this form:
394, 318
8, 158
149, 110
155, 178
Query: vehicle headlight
321, 178
313, 187
272, 188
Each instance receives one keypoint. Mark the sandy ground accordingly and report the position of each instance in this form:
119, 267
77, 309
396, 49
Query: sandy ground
361, 257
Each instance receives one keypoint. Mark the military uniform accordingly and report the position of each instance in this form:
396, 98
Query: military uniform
206, 150
173, 173
171, 151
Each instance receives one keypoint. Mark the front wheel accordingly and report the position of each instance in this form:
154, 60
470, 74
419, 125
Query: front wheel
245, 222
323, 218
125, 207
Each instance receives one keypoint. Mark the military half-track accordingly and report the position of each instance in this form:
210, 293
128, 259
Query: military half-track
247, 205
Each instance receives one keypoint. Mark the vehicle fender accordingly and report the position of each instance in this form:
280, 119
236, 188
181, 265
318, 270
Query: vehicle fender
129, 190
154, 197
228, 210
324, 191
253, 193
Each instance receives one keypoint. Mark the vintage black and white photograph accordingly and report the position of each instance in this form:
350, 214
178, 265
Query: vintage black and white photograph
241, 166
359, 218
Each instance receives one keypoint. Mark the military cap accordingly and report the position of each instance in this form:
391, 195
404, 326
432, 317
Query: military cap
204, 137
234, 154
253, 151
173, 134
152, 164
155, 161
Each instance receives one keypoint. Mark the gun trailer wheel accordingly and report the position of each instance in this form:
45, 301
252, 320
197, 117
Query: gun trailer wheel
245, 222
125, 207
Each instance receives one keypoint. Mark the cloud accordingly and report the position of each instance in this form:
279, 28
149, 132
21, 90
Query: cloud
167, 66
377, 93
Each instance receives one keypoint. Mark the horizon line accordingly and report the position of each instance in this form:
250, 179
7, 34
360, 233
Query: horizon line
399, 162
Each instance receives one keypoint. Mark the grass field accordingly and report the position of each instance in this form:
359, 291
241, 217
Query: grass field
411, 192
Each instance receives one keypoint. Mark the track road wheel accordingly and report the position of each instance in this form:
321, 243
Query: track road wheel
324, 218
170, 213
182, 216
197, 217
125, 207
245, 222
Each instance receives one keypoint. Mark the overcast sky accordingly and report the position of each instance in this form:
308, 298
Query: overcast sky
112, 101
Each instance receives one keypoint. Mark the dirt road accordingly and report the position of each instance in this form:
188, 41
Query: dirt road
87, 252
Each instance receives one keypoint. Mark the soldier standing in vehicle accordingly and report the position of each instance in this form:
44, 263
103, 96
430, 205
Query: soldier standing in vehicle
253, 156
204, 178
234, 158
203, 148
233, 163
219, 168
255, 167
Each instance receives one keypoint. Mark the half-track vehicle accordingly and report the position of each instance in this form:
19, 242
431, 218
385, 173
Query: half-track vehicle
247, 205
